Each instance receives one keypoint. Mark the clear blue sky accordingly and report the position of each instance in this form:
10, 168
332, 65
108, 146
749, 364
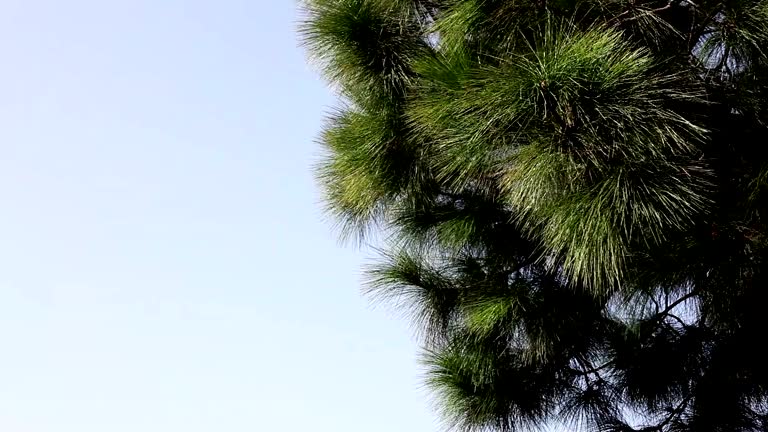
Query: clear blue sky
163, 261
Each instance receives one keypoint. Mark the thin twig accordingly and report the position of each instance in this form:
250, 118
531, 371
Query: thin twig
678, 319
595, 370
675, 303
675, 413
649, 11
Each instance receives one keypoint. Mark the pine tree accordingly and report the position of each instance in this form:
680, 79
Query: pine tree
572, 195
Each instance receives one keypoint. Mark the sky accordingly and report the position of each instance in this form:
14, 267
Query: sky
164, 261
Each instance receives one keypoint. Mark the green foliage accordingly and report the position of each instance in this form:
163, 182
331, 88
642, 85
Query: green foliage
574, 197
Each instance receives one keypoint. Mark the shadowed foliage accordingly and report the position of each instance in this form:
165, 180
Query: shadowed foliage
572, 195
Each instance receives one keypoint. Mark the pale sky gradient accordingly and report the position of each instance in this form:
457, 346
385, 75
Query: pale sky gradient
163, 262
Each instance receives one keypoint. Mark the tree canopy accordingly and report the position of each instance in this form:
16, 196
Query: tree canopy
573, 197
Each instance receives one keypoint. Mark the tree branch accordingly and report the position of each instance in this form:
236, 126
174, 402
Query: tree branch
673, 414
677, 302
